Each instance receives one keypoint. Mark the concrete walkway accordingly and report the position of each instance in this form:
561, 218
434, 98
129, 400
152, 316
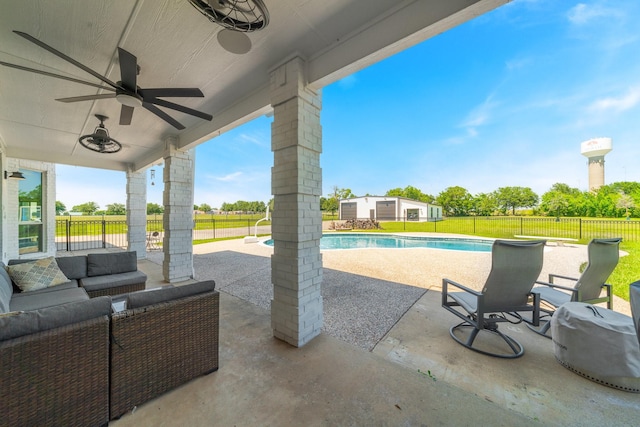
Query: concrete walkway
414, 375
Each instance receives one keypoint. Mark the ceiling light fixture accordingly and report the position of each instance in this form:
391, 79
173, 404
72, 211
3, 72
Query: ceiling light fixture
129, 100
100, 141
14, 175
236, 15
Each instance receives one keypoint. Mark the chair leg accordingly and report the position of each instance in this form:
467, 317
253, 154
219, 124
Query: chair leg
516, 348
543, 329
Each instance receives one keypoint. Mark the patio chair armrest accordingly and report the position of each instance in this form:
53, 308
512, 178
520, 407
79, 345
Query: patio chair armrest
608, 298
553, 285
559, 276
446, 282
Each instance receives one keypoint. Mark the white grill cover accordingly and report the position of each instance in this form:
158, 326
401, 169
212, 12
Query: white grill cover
598, 344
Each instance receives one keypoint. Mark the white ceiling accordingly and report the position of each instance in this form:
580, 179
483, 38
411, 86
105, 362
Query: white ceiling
176, 46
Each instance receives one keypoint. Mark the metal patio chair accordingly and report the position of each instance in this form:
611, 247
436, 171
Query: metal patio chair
515, 267
603, 259
153, 240
634, 299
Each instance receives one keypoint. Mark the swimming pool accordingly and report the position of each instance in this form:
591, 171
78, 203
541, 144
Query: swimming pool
391, 241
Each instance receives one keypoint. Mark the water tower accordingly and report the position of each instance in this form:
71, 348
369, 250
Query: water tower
595, 150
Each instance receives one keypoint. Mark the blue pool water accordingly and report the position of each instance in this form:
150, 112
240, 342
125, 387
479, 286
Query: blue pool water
386, 241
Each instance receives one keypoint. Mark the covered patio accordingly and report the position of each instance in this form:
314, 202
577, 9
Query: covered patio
142, 52
415, 375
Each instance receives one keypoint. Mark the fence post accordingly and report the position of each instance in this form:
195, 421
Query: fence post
68, 232
104, 233
521, 221
580, 228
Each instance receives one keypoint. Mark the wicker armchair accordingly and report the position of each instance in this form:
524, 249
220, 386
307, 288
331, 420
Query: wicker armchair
162, 339
54, 365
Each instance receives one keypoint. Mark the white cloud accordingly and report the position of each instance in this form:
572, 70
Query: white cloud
582, 14
515, 64
480, 115
252, 139
623, 102
348, 82
229, 177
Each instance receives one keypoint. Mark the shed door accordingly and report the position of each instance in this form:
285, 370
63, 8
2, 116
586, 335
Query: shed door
386, 210
348, 211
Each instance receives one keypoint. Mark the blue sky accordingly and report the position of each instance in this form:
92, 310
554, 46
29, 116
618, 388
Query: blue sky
503, 100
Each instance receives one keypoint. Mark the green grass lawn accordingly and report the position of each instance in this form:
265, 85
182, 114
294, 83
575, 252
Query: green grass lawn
626, 272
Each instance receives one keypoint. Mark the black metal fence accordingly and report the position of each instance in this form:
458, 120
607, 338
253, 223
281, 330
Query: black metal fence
74, 235
508, 227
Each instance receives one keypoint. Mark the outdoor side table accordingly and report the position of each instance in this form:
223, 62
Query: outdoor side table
597, 343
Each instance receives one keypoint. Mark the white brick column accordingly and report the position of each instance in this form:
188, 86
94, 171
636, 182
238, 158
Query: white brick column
296, 184
137, 212
178, 214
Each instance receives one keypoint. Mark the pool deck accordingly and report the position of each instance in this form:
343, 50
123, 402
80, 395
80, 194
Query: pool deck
414, 375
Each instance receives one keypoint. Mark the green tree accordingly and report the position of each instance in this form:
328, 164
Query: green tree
455, 201
116, 209
484, 204
625, 202
204, 207
343, 193
512, 198
154, 208
330, 204
88, 208
555, 203
410, 192
60, 208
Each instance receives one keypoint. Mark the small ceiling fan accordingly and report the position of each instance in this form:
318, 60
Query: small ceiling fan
126, 91
100, 140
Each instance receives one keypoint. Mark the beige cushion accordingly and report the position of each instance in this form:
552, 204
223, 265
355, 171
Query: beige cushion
37, 274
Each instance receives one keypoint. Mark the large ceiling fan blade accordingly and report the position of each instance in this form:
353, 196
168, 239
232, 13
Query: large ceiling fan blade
182, 108
171, 92
66, 58
164, 116
87, 97
58, 76
128, 69
126, 113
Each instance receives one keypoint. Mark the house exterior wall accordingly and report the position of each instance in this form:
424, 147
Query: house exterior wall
427, 211
10, 220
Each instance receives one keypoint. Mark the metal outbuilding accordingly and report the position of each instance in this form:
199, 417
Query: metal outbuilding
384, 208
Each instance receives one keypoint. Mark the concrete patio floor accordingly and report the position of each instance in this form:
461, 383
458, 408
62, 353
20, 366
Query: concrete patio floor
415, 375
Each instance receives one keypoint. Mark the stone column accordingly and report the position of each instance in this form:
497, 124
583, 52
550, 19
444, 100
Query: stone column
137, 212
178, 213
296, 184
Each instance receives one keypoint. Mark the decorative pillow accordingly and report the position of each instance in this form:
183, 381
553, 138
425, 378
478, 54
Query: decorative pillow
37, 274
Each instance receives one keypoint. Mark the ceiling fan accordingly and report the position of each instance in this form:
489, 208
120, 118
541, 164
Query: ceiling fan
126, 91
99, 140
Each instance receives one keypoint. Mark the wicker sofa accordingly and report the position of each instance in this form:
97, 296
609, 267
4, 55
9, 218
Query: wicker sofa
54, 364
162, 339
100, 274
81, 363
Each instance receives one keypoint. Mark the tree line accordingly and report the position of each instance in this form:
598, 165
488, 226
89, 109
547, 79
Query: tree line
615, 200
612, 201
92, 208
